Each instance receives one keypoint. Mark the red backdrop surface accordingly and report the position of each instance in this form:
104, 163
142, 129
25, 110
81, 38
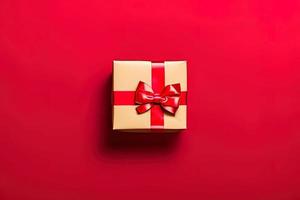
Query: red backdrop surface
243, 137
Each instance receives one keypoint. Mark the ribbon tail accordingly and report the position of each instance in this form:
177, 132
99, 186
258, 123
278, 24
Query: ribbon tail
143, 108
171, 105
170, 109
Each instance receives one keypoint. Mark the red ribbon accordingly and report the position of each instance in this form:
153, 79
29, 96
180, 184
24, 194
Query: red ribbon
168, 99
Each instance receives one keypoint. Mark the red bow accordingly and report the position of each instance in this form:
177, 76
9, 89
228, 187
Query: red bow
168, 99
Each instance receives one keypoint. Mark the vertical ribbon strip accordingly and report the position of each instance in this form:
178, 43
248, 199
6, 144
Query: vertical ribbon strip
158, 84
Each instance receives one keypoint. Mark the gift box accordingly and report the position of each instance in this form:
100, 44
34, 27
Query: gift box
149, 95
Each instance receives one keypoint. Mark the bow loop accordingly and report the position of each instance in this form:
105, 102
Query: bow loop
168, 99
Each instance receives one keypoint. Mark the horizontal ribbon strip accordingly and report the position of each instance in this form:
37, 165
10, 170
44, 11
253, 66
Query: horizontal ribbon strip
127, 98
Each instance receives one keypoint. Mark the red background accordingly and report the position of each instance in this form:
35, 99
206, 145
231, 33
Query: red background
243, 140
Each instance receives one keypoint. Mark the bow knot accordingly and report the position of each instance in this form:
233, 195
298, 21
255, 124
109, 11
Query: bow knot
158, 99
168, 99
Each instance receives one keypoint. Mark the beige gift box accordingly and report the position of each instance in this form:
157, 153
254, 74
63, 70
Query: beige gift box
126, 77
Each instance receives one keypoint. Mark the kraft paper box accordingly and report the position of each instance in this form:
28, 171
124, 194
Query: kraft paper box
149, 95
